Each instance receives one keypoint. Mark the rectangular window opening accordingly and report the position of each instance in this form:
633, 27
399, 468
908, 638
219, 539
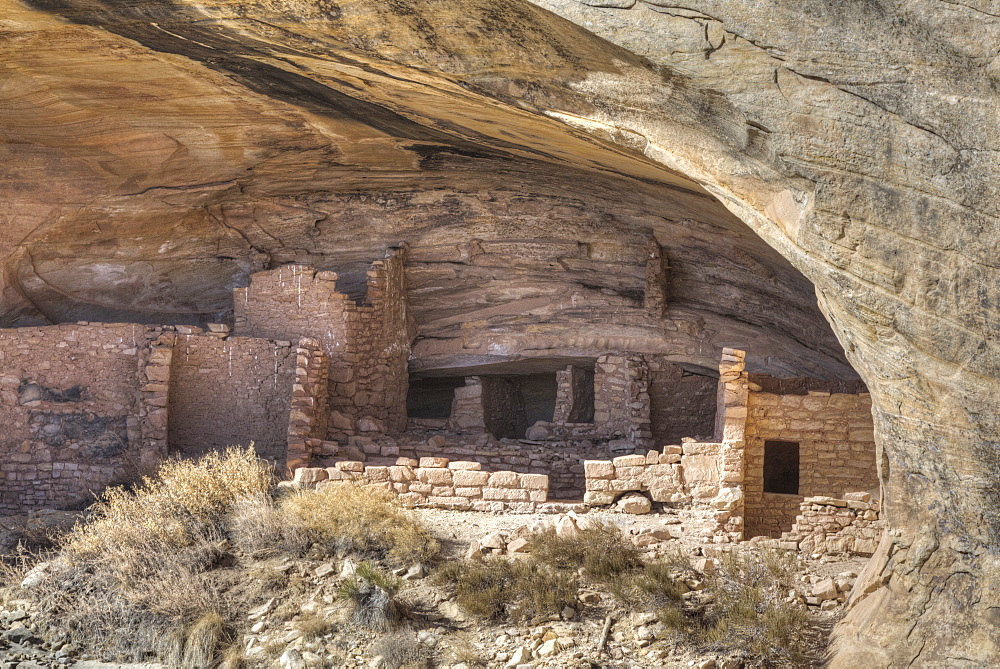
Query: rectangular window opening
781, 467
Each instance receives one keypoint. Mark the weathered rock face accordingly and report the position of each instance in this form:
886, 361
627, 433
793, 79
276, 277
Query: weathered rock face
156, 153
177, 163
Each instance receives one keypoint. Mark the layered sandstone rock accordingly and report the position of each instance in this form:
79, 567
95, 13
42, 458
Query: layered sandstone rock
157, 153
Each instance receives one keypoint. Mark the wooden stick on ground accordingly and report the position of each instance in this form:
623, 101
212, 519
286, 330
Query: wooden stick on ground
604, 635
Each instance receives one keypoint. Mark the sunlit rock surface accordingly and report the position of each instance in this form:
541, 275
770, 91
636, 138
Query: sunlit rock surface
154, 153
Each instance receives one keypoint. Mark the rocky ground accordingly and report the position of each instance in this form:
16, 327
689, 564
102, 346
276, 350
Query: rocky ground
311, 630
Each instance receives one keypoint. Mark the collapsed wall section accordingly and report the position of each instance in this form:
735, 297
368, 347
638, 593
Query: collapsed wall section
367, 345
229, 392
72, 411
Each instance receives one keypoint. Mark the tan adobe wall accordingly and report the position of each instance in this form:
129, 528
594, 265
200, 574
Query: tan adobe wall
72, 411
226, 392
836, 452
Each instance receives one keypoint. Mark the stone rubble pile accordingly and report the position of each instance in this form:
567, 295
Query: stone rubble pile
828, 525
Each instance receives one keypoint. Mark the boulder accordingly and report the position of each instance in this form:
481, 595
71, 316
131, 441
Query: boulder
634, 503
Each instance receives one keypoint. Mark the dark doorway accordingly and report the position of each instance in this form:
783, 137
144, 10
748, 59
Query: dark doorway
781, 467
432, 398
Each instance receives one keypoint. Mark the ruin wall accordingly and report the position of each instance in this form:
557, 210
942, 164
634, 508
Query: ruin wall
439, 482
836, 452
72, 411
367, 345
680, 404
829, 525
230, 392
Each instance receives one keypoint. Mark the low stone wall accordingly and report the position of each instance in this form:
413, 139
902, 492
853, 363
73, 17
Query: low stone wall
659, 474
828, 525
694, 473
439, 482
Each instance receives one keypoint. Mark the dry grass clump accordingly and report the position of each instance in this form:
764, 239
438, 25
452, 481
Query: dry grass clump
748, 609
600, 550
372, 596
365, 521
401, 649
161, 571
135, 579
497, 588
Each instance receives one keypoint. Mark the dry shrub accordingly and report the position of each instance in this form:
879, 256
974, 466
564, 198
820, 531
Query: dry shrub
401, 649
359, 520
748, 610
134, 579
183, 504
258, 529
495, 588
372, 596
313, 626
600, 550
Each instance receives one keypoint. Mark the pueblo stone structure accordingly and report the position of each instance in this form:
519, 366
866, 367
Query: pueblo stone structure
797, 163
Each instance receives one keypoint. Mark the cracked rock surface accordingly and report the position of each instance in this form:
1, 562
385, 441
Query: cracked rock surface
154, 153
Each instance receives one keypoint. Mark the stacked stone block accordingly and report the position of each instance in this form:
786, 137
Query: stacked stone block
836, 451
658, 474
307, 419
440, 482
467, 412
829, 525
367, 345
562, 462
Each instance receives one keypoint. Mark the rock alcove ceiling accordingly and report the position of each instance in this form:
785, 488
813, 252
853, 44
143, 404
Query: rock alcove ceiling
154, 153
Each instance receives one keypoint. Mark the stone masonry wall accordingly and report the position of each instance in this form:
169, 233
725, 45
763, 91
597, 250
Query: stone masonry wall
710, 474
70, 403
308, 414
229, 392
574, 396
836, 452
680, 404
621, 399
561, 461
467, 411
367, 345
439, 482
